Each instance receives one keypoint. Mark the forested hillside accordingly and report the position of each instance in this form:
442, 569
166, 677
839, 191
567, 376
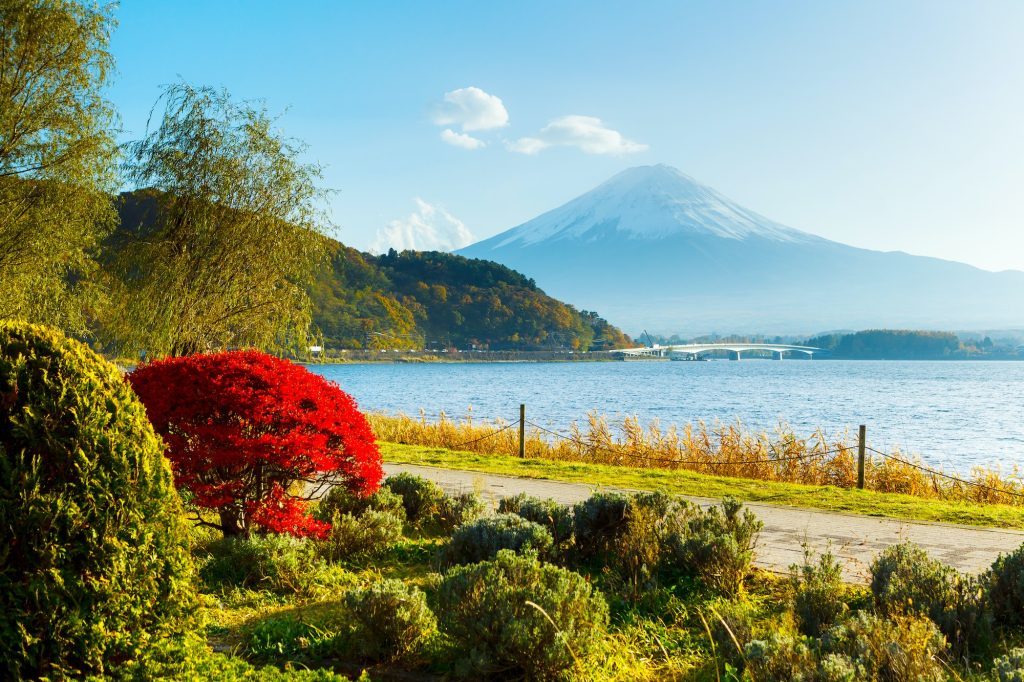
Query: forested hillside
430, 299
424, 299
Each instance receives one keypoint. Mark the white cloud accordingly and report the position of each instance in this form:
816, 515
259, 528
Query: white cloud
461, 139
472, 109
429, 228
584, 132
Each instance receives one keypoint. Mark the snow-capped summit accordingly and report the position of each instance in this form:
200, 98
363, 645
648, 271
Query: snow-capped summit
653, 248
648, 202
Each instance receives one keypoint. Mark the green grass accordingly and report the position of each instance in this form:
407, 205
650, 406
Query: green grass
688, 483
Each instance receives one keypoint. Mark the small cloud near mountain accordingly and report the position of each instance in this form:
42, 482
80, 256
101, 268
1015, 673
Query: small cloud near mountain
586, 133
469, 109
461, 139
428, 228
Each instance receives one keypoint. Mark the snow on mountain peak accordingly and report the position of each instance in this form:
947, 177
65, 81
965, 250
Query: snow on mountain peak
649, 203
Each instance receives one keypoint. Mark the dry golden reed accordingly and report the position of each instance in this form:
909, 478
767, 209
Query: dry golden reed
724, 450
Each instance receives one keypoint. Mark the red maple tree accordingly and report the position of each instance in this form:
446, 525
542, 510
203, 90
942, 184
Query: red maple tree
256, 437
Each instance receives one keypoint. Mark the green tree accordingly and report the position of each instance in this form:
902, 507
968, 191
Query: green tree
57, 157
225, 254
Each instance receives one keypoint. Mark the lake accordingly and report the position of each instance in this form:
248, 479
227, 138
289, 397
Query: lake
954, 414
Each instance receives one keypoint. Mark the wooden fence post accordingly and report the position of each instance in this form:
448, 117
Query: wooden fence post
522, 430
861, 446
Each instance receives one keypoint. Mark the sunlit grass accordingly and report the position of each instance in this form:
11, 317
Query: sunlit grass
723, 450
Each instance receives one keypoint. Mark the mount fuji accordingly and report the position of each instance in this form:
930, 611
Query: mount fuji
652, 248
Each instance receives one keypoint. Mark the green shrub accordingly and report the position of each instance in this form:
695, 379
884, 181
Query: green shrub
635, 553
818, 593
190, 658
600, 520
597, 520
94, 559
731, 626
420, 497
716, 545
456, 510
780, 657
1005, 582
1009, 668
515, 613
904, 579
277, 563
358, 537
557, 518
340, 500
285, 639
393, 620
484, 538
903, 647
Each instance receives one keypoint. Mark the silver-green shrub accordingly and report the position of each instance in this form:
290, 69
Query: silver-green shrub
517, 614
485, 537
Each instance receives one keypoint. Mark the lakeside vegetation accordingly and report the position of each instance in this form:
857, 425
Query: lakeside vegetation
721, 450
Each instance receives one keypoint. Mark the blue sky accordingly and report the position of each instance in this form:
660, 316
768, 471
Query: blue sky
887, 125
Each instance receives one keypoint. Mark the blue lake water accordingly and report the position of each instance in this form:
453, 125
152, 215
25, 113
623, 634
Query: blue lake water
956, 414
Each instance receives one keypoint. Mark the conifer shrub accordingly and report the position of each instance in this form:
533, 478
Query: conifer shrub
485, 537
515, 613
1005, 583
904, 579
275, 563
818, 593
94, 560
420, 497
716, 545
456, 510
371, 534
557, 518
393, 620
340, 500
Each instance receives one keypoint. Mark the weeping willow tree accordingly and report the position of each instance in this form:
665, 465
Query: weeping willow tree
57, 158
224, 253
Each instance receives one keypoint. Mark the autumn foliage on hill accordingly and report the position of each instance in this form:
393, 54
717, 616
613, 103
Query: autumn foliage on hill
254, 437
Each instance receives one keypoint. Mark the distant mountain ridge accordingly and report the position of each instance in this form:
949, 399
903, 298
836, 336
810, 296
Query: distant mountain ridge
415, 299
653, 248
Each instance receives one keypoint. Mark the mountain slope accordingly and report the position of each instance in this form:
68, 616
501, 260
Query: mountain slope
408, 299
652, 248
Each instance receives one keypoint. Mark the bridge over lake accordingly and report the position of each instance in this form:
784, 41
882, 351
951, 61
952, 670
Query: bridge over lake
696, 351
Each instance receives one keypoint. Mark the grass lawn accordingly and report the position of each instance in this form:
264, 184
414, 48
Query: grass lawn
689, 483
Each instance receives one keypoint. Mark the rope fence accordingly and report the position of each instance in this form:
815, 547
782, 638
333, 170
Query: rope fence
604, 448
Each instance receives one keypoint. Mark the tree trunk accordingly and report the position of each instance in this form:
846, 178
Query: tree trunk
232, 524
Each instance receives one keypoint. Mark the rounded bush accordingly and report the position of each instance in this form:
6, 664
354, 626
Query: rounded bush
94, 558
393, 620
716, 545
357, 537
1010, 667
818, 593
1005, 582
484, 538
340, 500
420, 497
904, 579
455, 510
557, 518
515, 613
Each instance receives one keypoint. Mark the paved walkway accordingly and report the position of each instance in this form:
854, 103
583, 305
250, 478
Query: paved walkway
854, 538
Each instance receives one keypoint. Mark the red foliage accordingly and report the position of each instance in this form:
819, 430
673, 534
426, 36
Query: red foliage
243, 427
